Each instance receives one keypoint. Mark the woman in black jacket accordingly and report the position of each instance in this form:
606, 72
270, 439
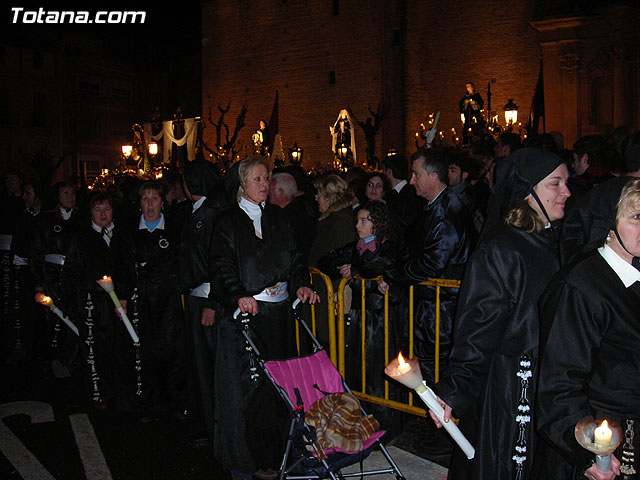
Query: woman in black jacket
146, 281
256, 268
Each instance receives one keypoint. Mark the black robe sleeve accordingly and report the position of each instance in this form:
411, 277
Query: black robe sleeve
574, 333
484, 309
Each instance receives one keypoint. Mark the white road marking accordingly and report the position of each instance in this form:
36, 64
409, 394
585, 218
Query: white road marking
20, 457
95, 466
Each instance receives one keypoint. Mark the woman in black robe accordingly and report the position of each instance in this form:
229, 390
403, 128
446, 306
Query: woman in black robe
256, 268
146, 282
89, 259
589, 359
54, 230
490, 381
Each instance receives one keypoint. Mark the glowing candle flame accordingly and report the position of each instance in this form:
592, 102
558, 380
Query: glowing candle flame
403, 366
602, 434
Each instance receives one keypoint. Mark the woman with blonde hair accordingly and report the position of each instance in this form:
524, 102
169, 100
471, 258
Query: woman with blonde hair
490, 383
336, 224
257, 268
589, 358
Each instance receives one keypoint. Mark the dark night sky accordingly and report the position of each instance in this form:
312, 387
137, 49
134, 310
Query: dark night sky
174, 27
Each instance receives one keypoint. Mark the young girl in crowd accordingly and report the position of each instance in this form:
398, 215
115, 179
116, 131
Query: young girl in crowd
376, 252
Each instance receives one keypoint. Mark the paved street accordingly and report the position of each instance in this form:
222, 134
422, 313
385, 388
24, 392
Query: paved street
47, 433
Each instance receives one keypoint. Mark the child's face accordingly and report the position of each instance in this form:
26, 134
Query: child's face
364, 225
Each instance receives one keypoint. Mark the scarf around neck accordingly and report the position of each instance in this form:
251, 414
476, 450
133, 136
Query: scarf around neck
254, 212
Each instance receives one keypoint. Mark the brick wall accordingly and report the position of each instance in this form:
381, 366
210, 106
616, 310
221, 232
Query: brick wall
253, 48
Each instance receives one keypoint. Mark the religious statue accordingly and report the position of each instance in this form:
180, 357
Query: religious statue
370, 128
470, 109
261, 139
343, 141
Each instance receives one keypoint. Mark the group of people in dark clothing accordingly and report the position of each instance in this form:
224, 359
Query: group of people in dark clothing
541, 333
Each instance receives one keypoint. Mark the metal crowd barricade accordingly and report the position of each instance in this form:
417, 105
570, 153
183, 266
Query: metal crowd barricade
405, 407
331, 314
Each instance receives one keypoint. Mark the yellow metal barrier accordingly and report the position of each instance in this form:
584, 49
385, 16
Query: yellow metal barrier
405, 407
331, 314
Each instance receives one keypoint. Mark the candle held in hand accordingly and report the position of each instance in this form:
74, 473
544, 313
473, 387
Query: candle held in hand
602, 434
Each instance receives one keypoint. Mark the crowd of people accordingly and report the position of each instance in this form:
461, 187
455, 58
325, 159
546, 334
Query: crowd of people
540, 334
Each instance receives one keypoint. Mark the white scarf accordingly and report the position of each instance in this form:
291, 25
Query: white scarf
254, 212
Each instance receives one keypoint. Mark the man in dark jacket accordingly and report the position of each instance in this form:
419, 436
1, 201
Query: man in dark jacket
200, 181
402, 198
441, 250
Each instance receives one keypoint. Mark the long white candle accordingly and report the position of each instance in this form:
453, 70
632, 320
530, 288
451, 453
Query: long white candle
48, 302
408, 373
107, 285
428, 397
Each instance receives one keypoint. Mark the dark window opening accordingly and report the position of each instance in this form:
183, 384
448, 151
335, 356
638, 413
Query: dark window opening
336, 7
332, 77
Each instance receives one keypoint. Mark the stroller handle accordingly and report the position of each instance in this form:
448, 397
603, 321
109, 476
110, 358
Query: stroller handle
294, 305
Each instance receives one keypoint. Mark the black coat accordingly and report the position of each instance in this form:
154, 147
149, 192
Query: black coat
243, 265
406, 206
496, 326
54, 235
440, 250
195, 245
589, 364
147, 262
334, 230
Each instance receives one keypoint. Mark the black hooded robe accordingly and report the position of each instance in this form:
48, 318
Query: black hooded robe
496, 333
589, 364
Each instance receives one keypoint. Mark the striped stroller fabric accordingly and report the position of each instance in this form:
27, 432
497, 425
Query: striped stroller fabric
303, 373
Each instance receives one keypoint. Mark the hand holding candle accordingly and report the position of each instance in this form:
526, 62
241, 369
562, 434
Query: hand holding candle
107, 285
601, 440
408, 373
43, 299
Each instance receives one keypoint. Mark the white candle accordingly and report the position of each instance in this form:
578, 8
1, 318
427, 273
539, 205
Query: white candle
602, 434
48, 302
107, 285
410, 376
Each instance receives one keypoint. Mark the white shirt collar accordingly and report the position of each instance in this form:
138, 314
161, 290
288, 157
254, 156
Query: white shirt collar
436, 197
99, 229
66, 214
627, 273
143, 226
197, 204
400, 186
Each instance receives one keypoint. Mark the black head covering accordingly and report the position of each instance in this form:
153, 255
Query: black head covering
520, 172
200, 177
588, 223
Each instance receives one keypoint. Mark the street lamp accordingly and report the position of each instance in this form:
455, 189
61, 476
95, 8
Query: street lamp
510, 112
127, 150
295, 154
153, 149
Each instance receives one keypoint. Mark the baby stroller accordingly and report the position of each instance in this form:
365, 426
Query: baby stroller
300, 382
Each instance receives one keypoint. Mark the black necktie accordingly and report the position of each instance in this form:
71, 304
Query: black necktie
106, 235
